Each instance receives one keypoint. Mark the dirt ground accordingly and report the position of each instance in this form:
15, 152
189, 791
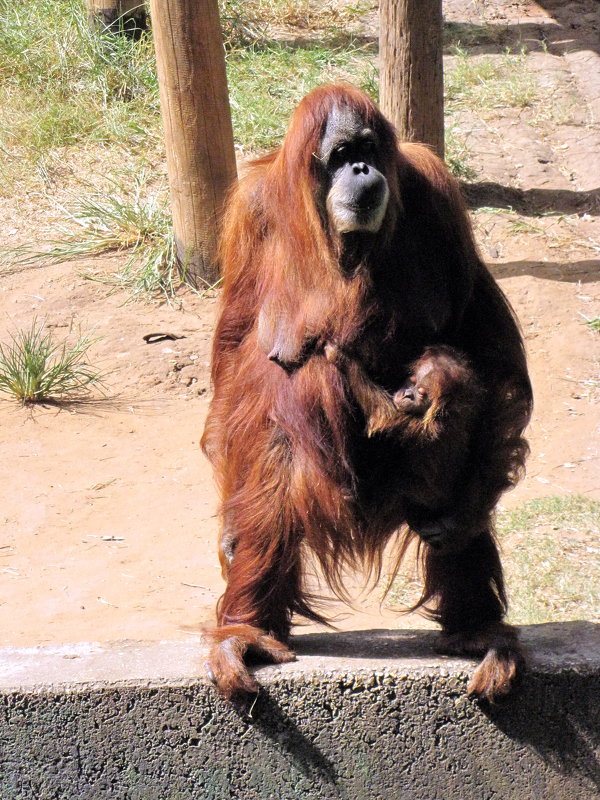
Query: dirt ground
109, 508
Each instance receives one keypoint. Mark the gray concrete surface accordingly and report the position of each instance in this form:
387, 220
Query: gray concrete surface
372, 715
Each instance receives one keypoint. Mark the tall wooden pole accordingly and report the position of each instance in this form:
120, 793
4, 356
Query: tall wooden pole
411, 83
197, 123
128, 16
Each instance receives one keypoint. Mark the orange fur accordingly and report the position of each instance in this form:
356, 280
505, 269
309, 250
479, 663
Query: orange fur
295, 467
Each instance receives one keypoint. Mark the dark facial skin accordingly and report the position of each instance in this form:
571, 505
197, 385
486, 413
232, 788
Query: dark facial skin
436, 379
420, 391
356, 192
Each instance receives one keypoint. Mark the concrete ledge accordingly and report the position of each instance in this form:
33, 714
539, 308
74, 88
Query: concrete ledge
373, 715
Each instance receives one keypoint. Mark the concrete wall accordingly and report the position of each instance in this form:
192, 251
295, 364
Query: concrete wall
373, 715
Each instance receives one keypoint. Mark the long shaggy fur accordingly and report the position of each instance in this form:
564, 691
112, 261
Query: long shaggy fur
295, 467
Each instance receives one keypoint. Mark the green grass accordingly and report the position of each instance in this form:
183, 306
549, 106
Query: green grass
458, 153
523, 226
593, 323
62, 85
550, 551
552, 559
487, 83
247, 22
267, 83
467, 35
480, 85
65, 89
35, 369
128, 218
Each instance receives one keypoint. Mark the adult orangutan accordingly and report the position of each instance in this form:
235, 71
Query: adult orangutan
342, 238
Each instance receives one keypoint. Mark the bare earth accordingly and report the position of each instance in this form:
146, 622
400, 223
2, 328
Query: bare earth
109, 508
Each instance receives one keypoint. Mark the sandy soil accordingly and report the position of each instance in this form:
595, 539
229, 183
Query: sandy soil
109, 508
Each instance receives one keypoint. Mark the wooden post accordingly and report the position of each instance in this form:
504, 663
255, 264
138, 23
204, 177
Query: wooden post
411, 84
118, 16
197, 123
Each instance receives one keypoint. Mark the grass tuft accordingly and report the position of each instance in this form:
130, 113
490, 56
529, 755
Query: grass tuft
34, 369
124, 219
458, 153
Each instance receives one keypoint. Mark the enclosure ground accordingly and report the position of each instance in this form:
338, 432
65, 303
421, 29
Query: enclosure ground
109, 510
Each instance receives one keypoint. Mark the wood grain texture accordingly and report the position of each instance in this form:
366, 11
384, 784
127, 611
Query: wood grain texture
197, 124
411, 82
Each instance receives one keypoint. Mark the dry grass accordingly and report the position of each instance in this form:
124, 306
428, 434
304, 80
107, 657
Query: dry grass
251, 21
129, 218
486, 83
551, 557
63, 87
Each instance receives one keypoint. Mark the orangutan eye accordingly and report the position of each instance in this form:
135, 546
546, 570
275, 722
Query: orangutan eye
367, 148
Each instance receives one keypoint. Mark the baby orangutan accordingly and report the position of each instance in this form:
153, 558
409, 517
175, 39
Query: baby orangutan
431, 417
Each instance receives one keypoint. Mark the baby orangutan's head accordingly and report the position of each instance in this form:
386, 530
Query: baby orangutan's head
434, 378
